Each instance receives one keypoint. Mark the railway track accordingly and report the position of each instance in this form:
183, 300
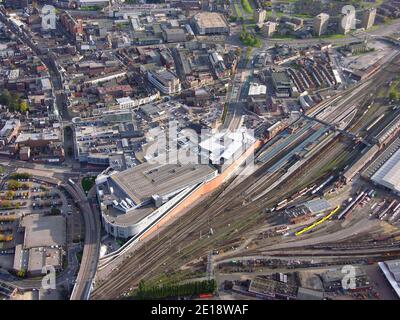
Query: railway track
227, 215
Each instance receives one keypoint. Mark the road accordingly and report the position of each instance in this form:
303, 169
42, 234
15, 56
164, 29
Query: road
91, 249
237, 95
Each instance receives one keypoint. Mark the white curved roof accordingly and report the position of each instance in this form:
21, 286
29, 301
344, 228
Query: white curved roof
389, 174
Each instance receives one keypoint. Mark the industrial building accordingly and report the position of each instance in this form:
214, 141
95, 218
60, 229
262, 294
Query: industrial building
381, 159
133, 199
268, 288
388, 175
391, 271
210, 23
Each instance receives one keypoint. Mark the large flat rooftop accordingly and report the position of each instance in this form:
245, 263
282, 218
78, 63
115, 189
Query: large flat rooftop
115, 216
148, 179
44, 231
210, 20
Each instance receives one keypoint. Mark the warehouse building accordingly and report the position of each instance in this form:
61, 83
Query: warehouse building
388, 175
381, 159
391, 271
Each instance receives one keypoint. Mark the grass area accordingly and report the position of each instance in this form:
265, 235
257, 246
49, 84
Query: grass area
237, 9
248, 39
90, 8
246, 6
87, 183
334, 163
333, 36
283, 37
271, 14
394, 90
367, 4
174, 290
175, 277
303, 15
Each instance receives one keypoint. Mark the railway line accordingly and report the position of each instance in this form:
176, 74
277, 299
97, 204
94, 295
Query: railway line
229, 216
216, 212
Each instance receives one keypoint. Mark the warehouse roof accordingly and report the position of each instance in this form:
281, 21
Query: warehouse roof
389, 269
318, 205
388, 174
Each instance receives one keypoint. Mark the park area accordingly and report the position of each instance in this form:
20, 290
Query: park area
87, 183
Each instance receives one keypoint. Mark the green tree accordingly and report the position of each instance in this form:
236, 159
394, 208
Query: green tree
23, 106
13, 185
393, 94
9, 195
21, 273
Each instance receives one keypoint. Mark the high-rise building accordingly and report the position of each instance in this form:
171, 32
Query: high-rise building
269, 28
321, 24
345, 23
259, 16
368, 18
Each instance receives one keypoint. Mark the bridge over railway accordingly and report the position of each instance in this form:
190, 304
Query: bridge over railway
335, 128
